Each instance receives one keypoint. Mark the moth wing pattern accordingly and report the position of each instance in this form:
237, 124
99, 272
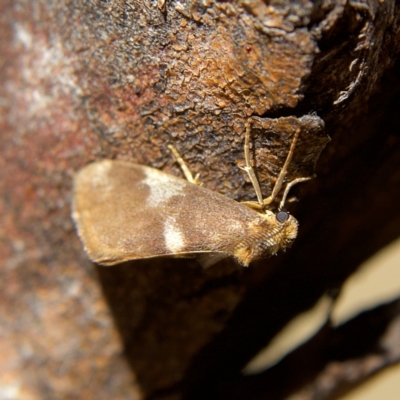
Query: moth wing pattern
126, 211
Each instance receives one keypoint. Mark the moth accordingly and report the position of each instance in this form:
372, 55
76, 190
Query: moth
125, 211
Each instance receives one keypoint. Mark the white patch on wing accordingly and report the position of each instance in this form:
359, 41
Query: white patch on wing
99, 177
162, 186
174, 240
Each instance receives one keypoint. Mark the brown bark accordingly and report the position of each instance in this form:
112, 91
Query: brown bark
123, 79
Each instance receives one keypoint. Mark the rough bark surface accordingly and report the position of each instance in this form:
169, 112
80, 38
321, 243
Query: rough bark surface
86, 80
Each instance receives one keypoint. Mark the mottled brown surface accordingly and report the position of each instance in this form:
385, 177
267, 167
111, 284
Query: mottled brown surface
122, 79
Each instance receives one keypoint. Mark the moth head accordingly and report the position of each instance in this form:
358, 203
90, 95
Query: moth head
271, 233
290, 227
283, 228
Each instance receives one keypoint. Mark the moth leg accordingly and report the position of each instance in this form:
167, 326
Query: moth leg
289, 186
282, 174
254, 205
249, 169
162, 5
185, 169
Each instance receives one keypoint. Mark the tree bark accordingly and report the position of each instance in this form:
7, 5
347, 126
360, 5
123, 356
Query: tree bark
123, 79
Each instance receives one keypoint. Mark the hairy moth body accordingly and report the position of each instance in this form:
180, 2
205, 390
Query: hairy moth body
125, 211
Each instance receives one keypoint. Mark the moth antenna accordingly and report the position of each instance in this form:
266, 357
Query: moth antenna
185, 169
289, 186
282, 174
249, 169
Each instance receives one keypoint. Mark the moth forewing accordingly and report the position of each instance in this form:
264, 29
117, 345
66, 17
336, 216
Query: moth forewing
125, 211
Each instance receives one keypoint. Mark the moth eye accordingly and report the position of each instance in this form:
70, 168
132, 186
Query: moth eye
282, 216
